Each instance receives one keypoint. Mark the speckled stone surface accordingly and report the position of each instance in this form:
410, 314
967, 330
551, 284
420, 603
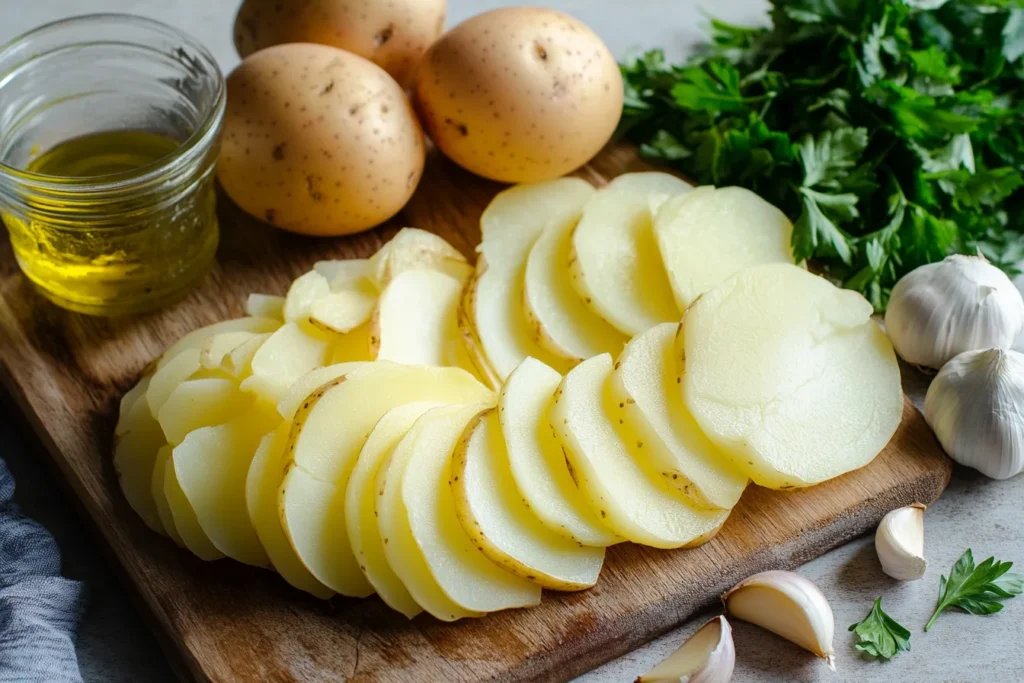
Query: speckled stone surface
116, 647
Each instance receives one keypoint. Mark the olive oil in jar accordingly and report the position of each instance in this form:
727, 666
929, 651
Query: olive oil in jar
136, 244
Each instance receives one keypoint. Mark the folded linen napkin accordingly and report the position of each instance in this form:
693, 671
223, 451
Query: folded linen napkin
39, 609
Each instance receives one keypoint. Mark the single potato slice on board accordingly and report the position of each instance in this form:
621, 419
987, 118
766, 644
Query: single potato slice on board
413, 248
128, 402
638, 506
185, 521
211, 465
261, 485
648, 407
562, 323
136, 444
707, 235
499, 521
157, 487
168, 376
494, 302
361, 511
199, 403
464, 573
292, 351
415, 321
328, 432
537, 463
403, 554
306, 290
196, 339
789, 375
265, 306
615, 265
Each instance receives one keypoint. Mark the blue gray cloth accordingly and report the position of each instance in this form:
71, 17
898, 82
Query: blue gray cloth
39, 609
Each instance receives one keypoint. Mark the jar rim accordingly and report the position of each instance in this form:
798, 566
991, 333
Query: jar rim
197, 140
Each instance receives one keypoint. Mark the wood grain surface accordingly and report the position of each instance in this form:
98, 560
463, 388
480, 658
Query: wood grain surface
226, 622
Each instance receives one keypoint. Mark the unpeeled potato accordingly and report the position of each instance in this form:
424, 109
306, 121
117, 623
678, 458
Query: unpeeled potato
318, 141
391, 34
519, 94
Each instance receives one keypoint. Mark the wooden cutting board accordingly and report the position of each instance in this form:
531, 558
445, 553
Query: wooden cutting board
226, 622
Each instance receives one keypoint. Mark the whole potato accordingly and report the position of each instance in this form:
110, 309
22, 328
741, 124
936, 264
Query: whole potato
318, 140
392, 34
519, 94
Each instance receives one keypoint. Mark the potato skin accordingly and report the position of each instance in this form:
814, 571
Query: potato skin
393, 35
318, 141
519, 94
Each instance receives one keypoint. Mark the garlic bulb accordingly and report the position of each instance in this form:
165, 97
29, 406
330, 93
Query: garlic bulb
788, 605
960, 304
708, 656
899, 542
975, 406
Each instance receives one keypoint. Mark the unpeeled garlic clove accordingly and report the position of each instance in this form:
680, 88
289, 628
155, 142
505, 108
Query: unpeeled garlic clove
960, 304
975, 406
788, 605
899, 542
708, 656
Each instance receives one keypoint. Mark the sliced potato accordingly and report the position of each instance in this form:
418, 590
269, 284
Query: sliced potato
344, 273
562, 323
494, 302
615, 266
353, 346
360, 507
465, 574
128, 400
261, 485
303, 387
638, 507
707, 235
499, 521
323, 449
415, 321
789, 375
218, 347
265, 306
168, 376
185, 521
196, 339
344, 309
404, 555
291, 352
238, 363
157, 487
199, 403
472, 347
211, 465
135, 452
536, 460
648, 407
306, 290
414, 248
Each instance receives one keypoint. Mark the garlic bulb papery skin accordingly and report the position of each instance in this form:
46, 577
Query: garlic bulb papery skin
788, 605
899, 542
963, 303
975, 406
708, 656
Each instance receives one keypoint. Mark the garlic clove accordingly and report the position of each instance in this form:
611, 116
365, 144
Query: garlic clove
708, 656
960, 304
899, 542
975, 406
788, 605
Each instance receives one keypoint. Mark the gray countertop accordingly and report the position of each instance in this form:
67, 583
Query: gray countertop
114, 645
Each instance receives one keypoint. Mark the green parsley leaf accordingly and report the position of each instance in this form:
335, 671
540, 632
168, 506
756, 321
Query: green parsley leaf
879, 635
977, 590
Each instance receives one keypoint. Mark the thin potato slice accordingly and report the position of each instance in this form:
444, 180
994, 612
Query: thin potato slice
498, 520
343, 273
219, 346
536, 460
616, 267
167, 378
413, 248
361, 512
135, 452
353, 346
303, 387
157, 488
464, 573
638, 507
211, 465
261, 485
291, 352
265, 306
196, 339
238, 363
128, 400
185, 522
199, 403
306, 290
344, 309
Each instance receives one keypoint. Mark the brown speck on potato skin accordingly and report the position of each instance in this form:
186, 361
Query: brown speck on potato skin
279, 151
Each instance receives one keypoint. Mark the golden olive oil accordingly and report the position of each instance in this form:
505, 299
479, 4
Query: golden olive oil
115, 231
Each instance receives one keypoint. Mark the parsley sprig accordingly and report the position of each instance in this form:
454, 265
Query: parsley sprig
879, 635
977, 590
890, 131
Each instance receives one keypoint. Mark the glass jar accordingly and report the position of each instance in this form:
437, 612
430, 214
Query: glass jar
141, 232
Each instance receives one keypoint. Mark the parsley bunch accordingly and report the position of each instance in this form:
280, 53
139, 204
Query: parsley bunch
890, 131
